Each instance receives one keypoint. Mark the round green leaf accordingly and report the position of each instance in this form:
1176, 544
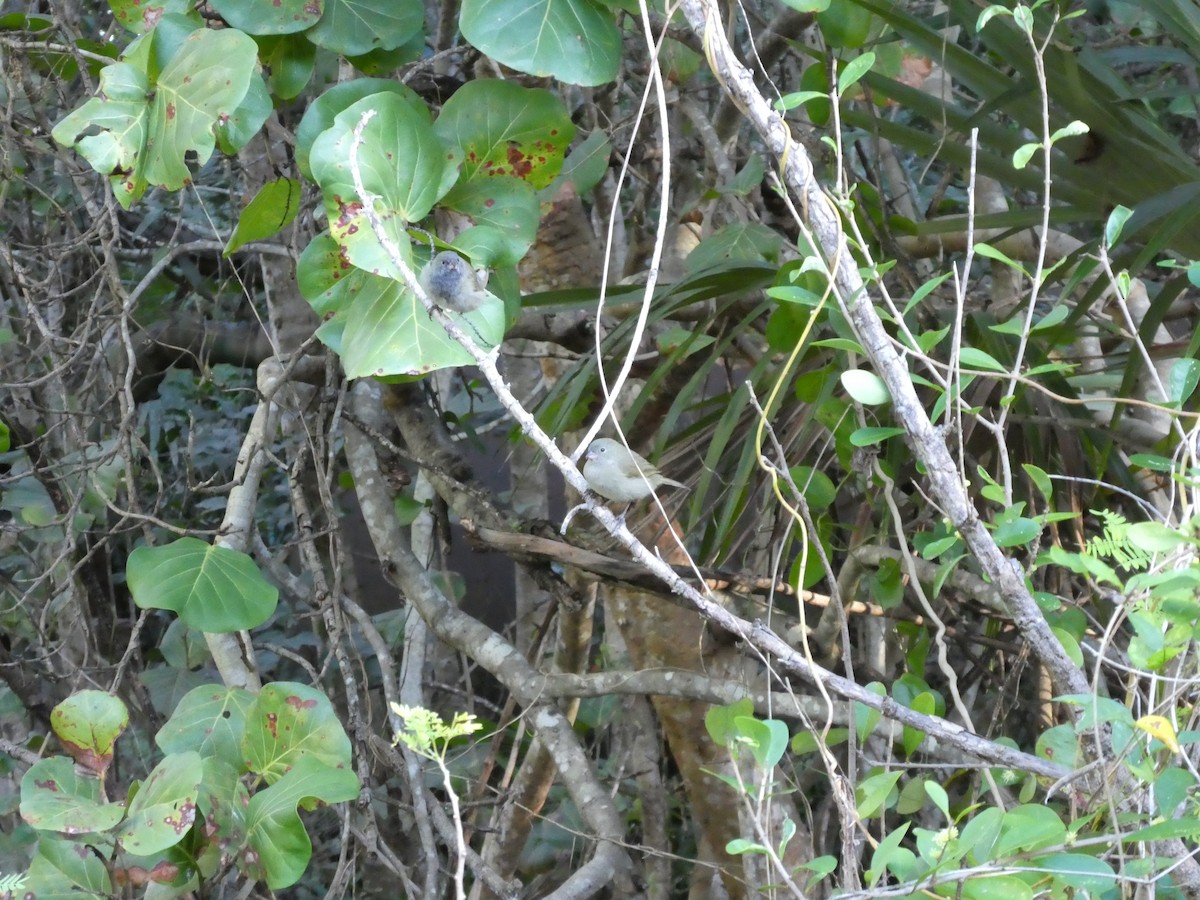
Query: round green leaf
213, 589
88, 724
504, 129
505, 212
355, 27
403, 165
386, 331
274, 830
1154, 537
291, 60
204, 82
1084, 873
322, 112
164, 809
865, 387
140, 16
269, 16
58, 796
210, 719
287, 722
575, 41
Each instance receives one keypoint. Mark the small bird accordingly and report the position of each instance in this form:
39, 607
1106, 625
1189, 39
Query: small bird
452, 284
617, 473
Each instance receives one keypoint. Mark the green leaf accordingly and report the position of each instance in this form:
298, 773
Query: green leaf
289, 722
891, 856
355, 27
238, 128
766, 738
1069, 130
269, 16
575, 41
323, 111
865, 387
995, 887
1154, 537
204, 81
386, 331
140, 16
64, 870
164, 809
272, 209
872, 794
988, 251
721, 721
211, 720
57, 796
137, 136
1070, 645
273, 826
505, 212
88, 723
979, 835
1084, 873
924, 291
1171, 788
1030, 827
403, 165
974, 358
1017, 532
118, 118
1182, 380
1022, 155
865, 437
867, 717
938, 795
584, 166
1040, 480
1152, 462
290, 58
1164, 831
854, 70
213, 589
504, 129
799, 98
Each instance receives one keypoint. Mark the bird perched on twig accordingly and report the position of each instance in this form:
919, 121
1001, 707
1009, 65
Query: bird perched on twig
452, 284
617, 473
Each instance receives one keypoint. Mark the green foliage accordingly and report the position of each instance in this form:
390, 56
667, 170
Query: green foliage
145, 121
575, 41
193, 814
212, 588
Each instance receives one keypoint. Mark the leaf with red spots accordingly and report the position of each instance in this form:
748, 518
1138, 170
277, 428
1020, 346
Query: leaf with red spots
288, 722
164, 809
505, 212
270, 16
139, 16
504, 129
88, 723
138, 133
205, 80
56, 796
403, 166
